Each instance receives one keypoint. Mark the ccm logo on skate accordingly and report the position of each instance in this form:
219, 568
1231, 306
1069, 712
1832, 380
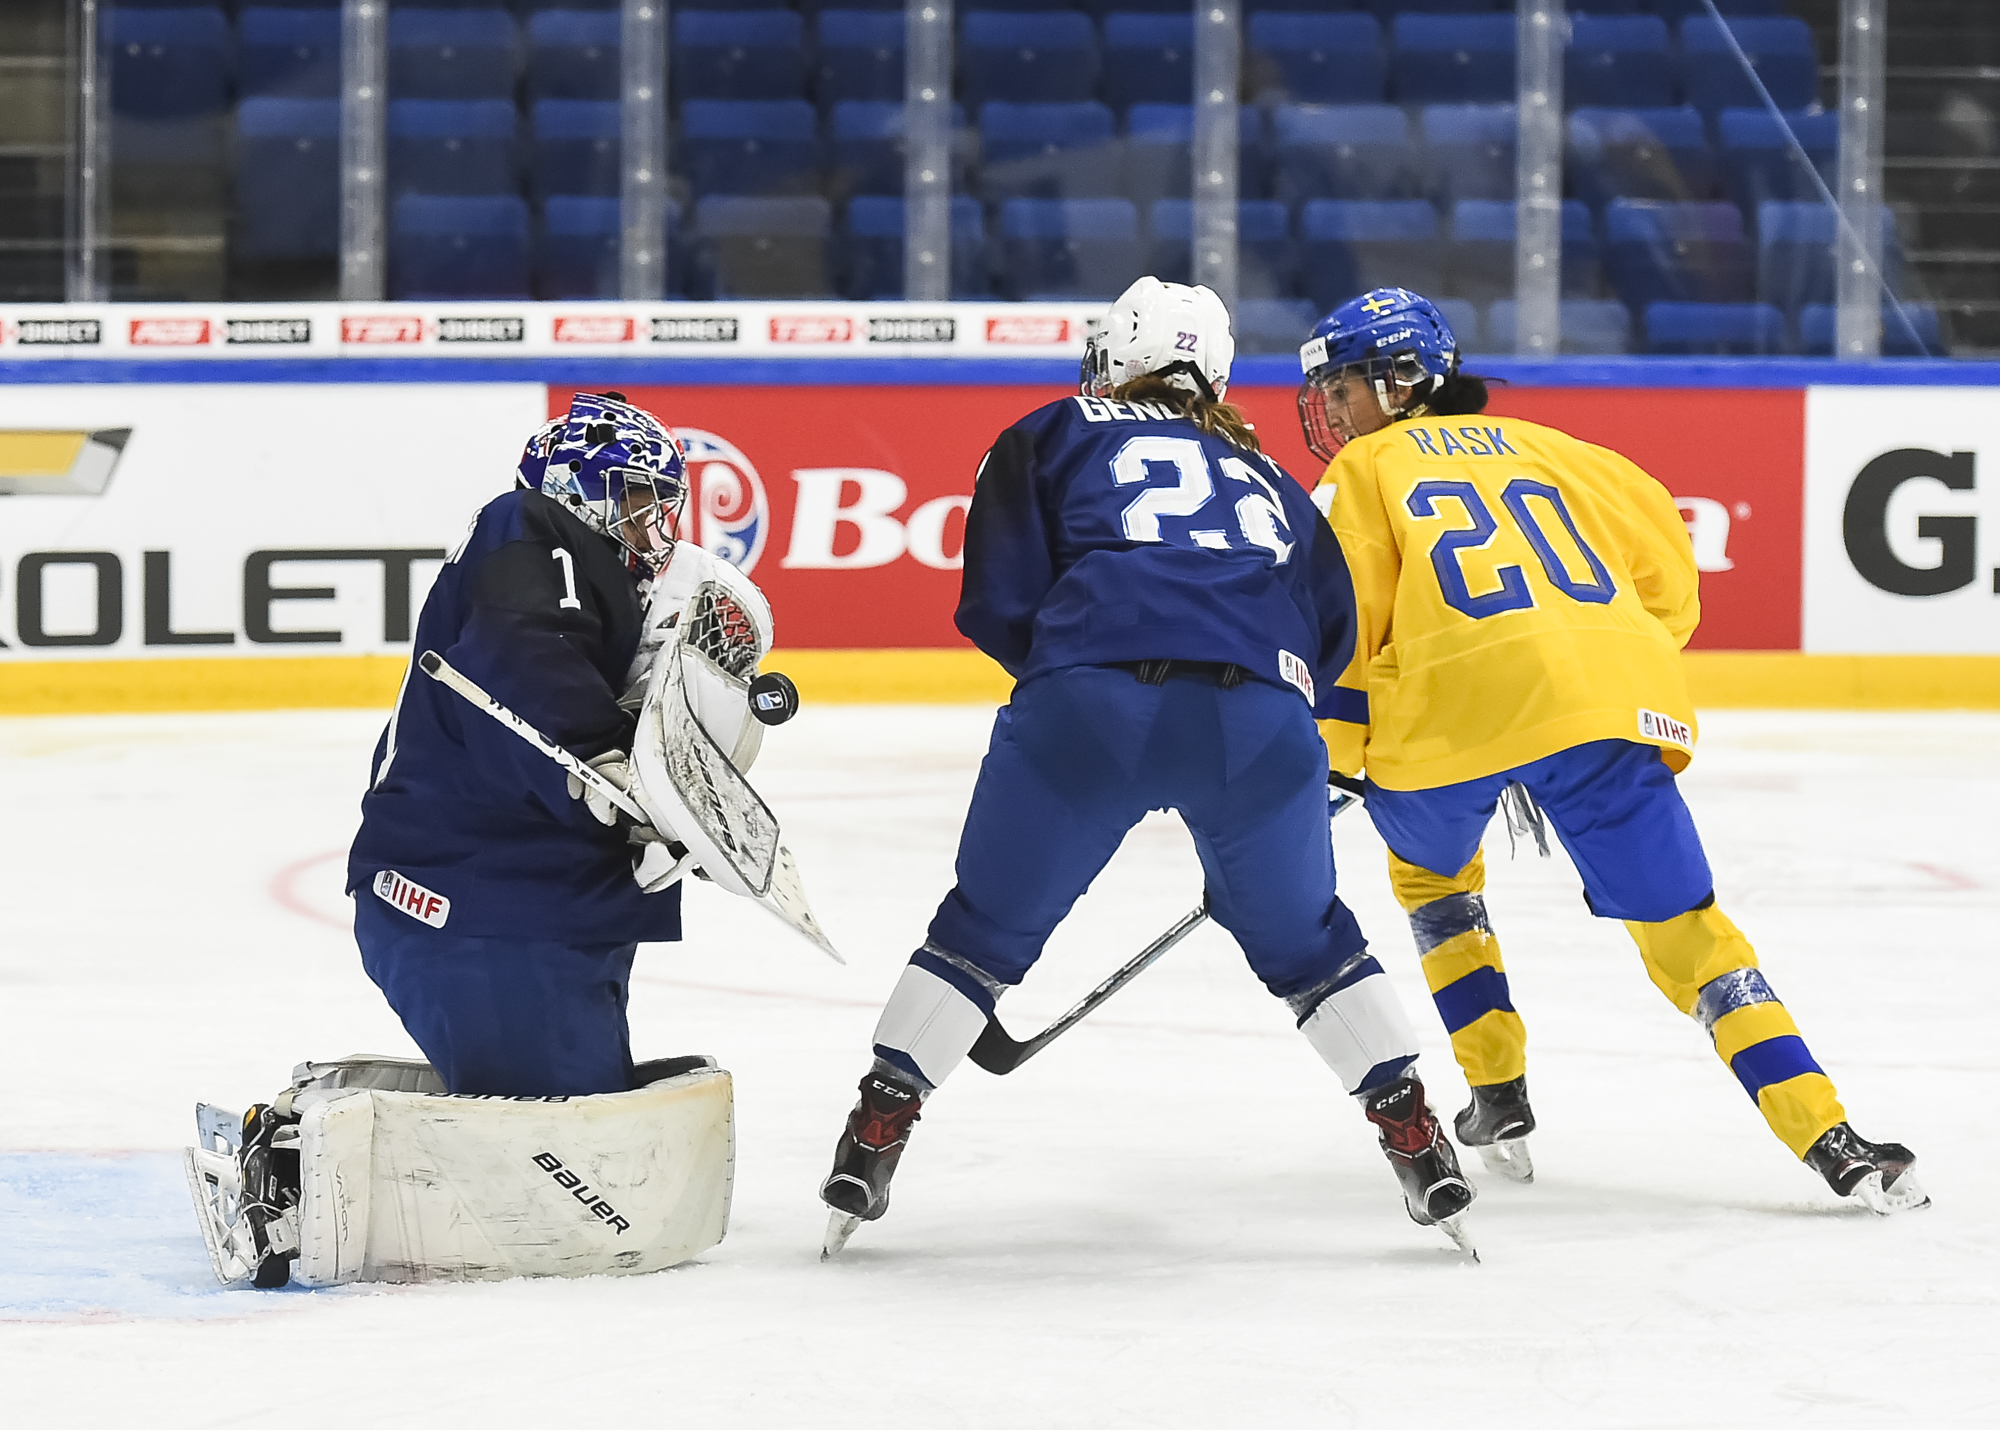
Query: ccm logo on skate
573, 1184
1655, 726
413, 899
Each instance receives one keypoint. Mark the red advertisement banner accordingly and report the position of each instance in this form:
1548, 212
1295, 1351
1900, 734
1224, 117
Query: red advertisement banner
847, 503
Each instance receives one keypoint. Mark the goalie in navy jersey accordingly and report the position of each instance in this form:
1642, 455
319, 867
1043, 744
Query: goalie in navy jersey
1174, 611
497, 909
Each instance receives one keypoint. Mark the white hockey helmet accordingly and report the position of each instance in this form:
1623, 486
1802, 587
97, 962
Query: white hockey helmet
1179, 332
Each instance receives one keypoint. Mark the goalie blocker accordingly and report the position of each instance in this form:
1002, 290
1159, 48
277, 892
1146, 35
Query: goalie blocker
366, 1170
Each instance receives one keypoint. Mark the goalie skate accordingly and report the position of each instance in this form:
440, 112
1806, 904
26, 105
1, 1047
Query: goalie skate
1497, 1122
246, 1208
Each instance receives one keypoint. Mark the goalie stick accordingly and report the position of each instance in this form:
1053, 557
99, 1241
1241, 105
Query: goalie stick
786, 898
1000, 1054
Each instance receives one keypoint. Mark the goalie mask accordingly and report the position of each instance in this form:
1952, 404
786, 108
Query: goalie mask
618, 470
1179, 332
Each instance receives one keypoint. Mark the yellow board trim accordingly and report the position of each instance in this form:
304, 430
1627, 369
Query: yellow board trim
1719, 680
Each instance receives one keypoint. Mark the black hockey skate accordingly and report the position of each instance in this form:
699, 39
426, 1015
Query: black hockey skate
1497, 1121
1876, 1174
1435, 1191
865, 1158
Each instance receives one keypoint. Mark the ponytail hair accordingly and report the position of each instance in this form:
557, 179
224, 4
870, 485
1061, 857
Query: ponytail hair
1217, 419
1458, 394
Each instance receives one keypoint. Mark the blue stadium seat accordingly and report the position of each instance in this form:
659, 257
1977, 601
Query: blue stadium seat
579, 250
1600, 327
1640, 154
168, 64
1267, 259
1315, 59
287, 178
1816, 331
757, 147
1272, 325
739, 54
875, 229
1148, 59
763, 248
453, 146
867, 153
1017, 7
1463, 320
1048, 58
1795, 254
1714, 329
1780, 48
1452, 59
458, 247
1655, 252
1482, 250
573, 54
289, 53
1675, 10
1350, 246
1621, 61
860, 56
452, 54
1070, 249
1348, 151
1157, 162
1469, 151
1046, 151
1389, 9
1758, 165
574, 149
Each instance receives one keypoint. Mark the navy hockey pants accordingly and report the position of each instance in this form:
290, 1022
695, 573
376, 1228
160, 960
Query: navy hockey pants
503, 1016
1078, 758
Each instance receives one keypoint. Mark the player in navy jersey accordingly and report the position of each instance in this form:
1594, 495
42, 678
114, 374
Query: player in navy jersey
496, 909
1175, 612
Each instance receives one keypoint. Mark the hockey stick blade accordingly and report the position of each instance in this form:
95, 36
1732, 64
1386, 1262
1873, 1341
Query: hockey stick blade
1000, 1054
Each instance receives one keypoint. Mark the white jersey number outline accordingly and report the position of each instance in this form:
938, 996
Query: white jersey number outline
1260, 519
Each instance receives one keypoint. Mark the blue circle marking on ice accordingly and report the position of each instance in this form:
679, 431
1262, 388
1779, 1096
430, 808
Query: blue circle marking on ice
95, 1237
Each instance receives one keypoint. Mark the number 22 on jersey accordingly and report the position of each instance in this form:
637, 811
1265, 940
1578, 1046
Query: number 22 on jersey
1514, 593
1259, 519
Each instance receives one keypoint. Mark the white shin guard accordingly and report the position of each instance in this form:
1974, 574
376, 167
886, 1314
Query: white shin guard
931, 1022
1361, 1031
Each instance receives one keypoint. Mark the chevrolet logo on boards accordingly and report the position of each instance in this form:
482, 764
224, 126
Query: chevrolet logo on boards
51, 463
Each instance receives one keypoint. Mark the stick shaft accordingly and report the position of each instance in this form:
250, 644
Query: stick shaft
443, 672
1143, 960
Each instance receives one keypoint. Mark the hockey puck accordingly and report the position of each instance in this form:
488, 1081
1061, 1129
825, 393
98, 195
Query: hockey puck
773, 698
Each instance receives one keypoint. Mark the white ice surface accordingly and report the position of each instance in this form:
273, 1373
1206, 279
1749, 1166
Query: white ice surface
1171, 1218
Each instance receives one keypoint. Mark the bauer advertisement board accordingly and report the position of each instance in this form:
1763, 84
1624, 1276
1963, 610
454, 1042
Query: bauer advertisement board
163, 520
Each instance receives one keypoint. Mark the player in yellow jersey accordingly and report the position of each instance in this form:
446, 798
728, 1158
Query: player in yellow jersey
1523, 599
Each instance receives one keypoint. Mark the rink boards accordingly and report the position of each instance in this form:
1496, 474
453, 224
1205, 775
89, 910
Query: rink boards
259, 534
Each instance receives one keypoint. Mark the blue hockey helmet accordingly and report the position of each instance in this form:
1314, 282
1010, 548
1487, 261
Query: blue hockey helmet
617, 469
1395, 339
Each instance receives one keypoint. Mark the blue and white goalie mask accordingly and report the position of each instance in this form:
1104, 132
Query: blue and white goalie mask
618, 470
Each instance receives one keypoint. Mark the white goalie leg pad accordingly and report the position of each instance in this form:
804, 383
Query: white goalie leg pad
1361, 1031
930, 1022
411, 1186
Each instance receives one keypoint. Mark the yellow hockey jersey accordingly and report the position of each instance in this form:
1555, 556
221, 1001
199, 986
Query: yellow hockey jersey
1520, 592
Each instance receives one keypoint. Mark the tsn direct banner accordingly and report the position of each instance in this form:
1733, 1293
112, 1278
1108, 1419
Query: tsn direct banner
164, 520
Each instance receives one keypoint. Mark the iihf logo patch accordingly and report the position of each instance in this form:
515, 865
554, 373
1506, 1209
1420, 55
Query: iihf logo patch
1296, 674
1655, 726
413, 899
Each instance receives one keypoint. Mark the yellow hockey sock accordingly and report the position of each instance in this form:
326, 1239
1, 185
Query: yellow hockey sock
1706, 966
1462, 966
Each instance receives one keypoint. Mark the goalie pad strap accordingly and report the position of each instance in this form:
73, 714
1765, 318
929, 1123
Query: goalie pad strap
1362, 1033
930, 1022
